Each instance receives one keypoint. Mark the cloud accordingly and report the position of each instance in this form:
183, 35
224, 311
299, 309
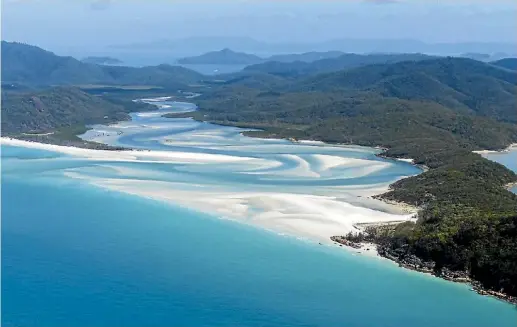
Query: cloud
100, 4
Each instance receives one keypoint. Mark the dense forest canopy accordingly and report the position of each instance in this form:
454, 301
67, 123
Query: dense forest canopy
59, 107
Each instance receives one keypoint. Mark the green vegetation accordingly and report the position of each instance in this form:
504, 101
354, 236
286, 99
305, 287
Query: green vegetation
222, 57
34, 108
59, 114
26, 64
434, 111
67, 136
229, 57
102, 60
330, 63
480, 245
507, 63
476, 56
306, 56
464, 85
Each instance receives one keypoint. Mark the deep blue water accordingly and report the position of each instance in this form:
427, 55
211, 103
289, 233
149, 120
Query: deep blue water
77, 255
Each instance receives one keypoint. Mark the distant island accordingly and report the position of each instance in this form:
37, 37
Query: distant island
222, 57
102, 60
204, 44
328, 61
229, 57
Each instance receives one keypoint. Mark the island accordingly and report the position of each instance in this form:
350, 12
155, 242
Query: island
223, 57
102, 60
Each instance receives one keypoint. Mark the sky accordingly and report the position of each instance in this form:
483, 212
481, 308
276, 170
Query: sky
54, 24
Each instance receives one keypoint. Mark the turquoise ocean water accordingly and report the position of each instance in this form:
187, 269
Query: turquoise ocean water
77, 255
74, 254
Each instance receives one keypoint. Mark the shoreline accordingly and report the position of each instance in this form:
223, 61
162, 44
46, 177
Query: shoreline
509, 186
370, 239
314, 216
369, 249
509, 148
422, 267
367, 205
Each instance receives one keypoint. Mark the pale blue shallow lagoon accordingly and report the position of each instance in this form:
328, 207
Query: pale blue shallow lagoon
76, 252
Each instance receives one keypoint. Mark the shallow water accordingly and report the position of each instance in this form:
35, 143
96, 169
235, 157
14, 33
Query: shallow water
276, 162
306, 189
507, 158
74, 254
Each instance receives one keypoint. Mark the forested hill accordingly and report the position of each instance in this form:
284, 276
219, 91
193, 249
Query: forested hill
105, 60
306, 56
332, 64
60, 107
508, 63
222, 57
230, 57
29, 64
457, 83
26, 64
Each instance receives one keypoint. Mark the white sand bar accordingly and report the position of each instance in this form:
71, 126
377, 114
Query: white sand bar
317, 211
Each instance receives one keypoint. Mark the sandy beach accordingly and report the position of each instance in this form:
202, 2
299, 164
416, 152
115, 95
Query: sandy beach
316, 216
511, 147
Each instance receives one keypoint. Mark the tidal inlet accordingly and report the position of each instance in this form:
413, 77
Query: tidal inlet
305, 189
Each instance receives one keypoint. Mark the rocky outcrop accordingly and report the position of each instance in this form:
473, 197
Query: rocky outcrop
344, 241
410, 261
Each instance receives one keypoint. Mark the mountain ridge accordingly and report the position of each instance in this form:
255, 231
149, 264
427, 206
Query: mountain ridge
454, 82
342, 62
32, 65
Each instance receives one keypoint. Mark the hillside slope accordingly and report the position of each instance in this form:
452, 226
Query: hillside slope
31, 65
22, 63
462, 84
46, 111
332, 64
507, 63
222, 57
